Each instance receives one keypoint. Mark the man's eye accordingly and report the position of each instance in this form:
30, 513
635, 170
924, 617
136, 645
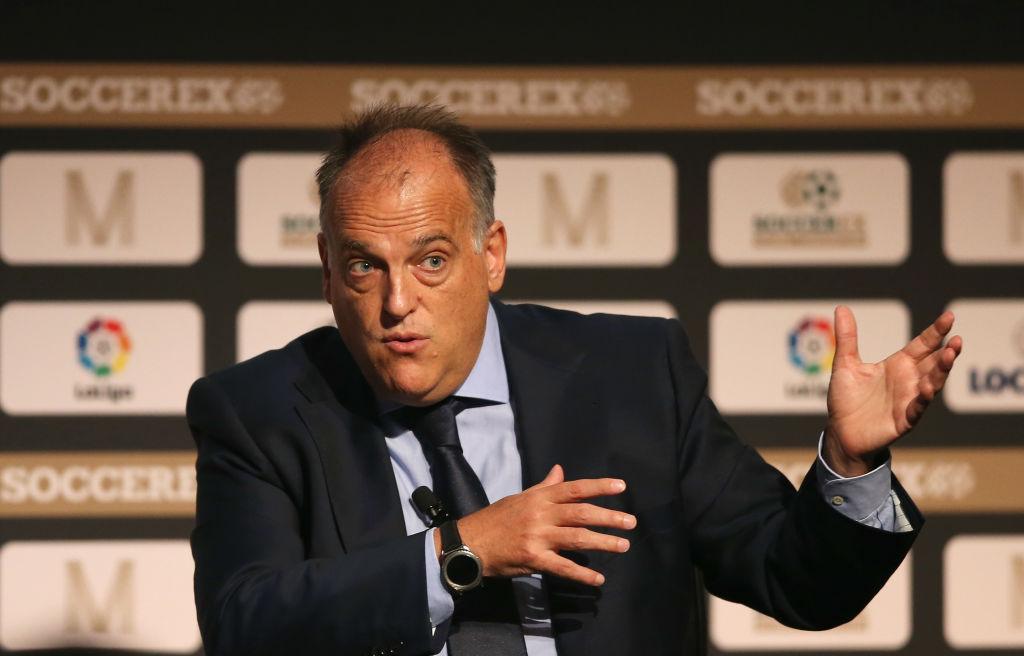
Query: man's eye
434, 262
360, 267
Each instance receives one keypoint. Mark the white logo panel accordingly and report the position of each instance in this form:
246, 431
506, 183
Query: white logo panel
989, 374
983, 218
884, 624
98, 358
775, 357
128, 594
266, 325
100, 208
278, 209
984, 591
587, 210
804, 209
661, 309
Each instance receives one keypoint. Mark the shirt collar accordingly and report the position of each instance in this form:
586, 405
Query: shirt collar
487, 381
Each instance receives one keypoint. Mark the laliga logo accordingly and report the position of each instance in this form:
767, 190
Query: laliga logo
104, 347
812, 345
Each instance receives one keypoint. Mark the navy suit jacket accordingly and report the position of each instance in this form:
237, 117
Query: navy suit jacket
300, 544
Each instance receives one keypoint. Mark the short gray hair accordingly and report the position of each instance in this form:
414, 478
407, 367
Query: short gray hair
471, 157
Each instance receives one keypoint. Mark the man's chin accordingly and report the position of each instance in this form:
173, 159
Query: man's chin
415, 391
416, 398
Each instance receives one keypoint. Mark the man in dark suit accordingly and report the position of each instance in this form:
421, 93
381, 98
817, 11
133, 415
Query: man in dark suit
306, 538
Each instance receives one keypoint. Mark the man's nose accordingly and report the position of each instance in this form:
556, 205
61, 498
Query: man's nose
399, 294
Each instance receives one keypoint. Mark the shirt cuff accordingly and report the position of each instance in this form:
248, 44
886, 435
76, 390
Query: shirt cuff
865, 498
440, 604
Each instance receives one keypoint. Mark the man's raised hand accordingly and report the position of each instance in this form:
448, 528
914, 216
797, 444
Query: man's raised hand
524, 532
870, 406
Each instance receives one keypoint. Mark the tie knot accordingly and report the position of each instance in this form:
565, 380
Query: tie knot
436, 425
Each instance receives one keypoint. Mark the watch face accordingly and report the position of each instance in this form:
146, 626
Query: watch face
462, 569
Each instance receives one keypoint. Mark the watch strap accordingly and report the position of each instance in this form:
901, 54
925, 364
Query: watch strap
450, 538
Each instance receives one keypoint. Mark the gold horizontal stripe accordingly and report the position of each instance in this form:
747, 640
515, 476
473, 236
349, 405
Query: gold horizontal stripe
940, 480
162, 484
516, 98
97, 484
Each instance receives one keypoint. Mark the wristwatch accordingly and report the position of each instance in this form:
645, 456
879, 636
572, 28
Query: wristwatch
461, 569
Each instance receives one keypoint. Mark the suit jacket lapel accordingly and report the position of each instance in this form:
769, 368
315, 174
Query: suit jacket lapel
338, 412
556, 423
551, 388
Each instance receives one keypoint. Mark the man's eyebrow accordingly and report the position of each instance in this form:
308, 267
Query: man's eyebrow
423, 240
353, 245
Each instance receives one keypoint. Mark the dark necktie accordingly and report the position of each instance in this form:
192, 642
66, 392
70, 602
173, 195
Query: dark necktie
486, 620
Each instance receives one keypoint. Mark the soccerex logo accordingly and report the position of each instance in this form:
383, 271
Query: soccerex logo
811, 220
817, 188
812, 345
139, 94
104, 347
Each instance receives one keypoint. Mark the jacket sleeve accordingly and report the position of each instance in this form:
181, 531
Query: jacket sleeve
256, 590
756, 540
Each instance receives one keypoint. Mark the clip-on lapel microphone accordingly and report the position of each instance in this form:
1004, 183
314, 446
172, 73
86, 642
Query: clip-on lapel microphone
428, 504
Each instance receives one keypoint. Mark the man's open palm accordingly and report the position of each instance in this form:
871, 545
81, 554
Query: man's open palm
870, 406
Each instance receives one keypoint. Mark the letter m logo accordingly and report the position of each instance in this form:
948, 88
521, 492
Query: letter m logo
1017, 592
591, 218
84, 612
83, 216
1017, 206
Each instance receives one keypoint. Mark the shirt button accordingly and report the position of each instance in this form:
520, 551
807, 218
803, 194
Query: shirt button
838, 500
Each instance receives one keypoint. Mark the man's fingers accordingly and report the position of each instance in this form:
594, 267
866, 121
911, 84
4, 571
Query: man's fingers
582, 539
585, 488
561, 566
916, 408
931, 338
846, 335
940, 364
586, 514
941, 361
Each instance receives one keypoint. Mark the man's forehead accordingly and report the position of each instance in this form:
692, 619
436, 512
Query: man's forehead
406, 185
368, 242
396, 159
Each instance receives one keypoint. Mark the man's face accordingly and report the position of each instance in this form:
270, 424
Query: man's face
400, 268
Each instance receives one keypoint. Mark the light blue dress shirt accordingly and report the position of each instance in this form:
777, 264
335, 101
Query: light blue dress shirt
488, 441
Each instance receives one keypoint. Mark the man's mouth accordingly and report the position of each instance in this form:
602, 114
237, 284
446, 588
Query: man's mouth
406, 342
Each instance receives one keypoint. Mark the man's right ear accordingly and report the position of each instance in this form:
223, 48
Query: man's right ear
325, 265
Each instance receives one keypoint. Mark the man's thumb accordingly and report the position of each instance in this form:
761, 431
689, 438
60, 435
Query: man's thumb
846, 334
